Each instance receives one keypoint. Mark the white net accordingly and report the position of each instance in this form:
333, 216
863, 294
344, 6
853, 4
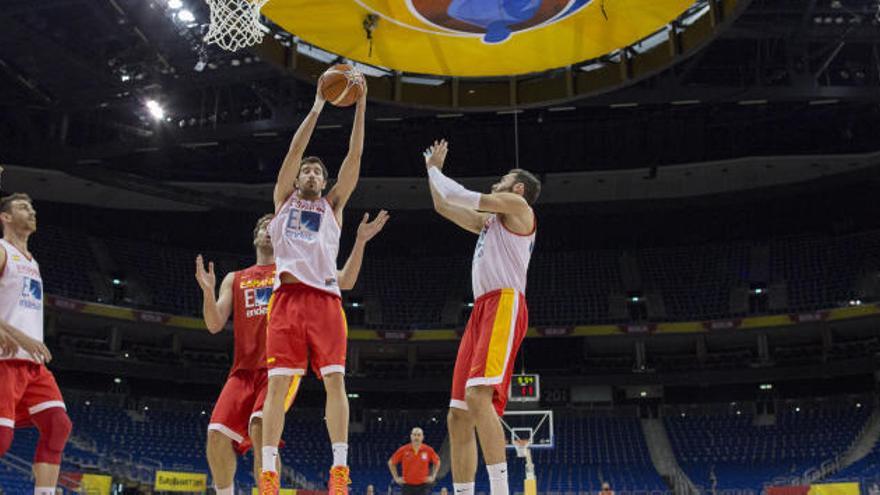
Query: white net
235, 24
522, 447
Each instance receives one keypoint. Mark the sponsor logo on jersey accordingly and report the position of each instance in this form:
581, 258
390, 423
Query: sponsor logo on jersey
304, 220
31, 294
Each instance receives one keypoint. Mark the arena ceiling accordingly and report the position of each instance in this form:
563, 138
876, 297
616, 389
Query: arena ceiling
781, 77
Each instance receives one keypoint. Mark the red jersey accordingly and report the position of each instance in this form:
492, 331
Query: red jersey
415, 463
251, 289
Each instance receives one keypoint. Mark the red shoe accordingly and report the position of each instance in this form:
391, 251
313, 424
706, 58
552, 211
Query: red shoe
270, 484
339, 481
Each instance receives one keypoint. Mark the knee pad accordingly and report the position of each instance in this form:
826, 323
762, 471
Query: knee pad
5, 439
55, 427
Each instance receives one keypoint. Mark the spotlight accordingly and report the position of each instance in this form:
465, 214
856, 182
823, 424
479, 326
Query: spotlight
155, 109
117, 380
186, 15
174, 4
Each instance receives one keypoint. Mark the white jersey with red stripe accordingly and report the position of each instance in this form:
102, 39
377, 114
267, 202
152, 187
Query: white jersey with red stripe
21, 296
305, 237
501, 258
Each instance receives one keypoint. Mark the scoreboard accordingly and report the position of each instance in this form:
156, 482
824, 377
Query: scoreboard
525, 388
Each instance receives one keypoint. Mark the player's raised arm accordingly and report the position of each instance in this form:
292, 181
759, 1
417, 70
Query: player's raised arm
284, 186
366, 230
350, 170
459, 206
215, 312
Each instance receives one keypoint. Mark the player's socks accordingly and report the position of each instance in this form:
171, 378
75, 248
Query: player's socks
340, 454
229, 490
463, 488
498, 479
44, 490
270, 459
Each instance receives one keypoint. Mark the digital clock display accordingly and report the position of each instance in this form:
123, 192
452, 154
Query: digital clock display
525, 388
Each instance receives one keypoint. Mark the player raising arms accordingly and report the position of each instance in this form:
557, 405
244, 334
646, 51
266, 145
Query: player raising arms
245, 295
306, 321
506, 224
28, 392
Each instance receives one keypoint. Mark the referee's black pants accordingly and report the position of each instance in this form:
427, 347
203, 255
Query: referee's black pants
423, 489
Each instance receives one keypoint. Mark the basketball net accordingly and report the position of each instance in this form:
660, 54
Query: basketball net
235, 24
522, 447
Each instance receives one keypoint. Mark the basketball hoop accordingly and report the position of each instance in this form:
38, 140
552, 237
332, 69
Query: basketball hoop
235, 24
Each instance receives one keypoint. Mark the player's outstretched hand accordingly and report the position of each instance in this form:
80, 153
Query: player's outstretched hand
367, 230
435, 156
8, 345
206, 279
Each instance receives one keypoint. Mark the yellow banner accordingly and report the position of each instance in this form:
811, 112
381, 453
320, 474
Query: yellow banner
834, 489
173, 481
95, 484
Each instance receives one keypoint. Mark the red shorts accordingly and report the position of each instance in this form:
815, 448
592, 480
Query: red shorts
488, 348
239, 403
26, 388
305, 324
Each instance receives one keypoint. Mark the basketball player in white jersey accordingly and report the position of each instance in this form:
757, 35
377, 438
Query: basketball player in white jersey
29, 395
306, 321
506, 224
236, 421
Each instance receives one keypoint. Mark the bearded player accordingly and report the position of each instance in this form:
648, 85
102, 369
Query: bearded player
236, 420
506, 224
28, 392
306, 321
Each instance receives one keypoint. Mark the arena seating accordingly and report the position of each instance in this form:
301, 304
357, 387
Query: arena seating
565, 287
695, 282
589, 450
728, 451
65, 262
725, 451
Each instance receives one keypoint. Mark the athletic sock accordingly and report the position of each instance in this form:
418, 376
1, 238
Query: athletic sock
463, 488
230, 490
498, 479
270, 459
340, 454
44, 490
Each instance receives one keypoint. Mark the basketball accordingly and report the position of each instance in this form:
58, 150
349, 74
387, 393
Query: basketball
341, 85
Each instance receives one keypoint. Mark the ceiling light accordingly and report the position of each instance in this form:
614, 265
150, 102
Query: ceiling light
186, 15
155, 109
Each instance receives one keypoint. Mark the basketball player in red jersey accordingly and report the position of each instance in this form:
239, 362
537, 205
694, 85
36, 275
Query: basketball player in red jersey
506, 224
28, 392
245, 295
306, 321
